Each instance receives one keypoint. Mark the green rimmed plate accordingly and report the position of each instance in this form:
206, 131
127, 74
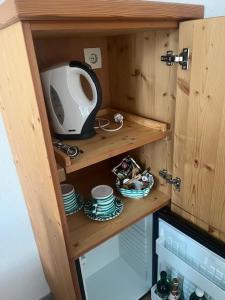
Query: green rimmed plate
88, 207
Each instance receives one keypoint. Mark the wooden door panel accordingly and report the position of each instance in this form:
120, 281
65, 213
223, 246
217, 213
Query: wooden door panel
199, 150
141, 84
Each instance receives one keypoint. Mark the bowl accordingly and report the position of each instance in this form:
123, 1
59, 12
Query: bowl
135, 194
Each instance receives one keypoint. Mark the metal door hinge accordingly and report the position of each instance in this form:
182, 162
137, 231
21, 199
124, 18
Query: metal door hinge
183, 59
169, 179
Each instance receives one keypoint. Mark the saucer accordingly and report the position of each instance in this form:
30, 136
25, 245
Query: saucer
103, 217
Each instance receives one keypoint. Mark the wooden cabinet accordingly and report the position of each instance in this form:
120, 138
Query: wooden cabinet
174, 118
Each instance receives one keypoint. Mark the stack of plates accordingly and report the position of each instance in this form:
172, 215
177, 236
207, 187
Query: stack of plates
104, 205
72, 201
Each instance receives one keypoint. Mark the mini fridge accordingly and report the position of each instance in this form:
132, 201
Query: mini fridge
127, 266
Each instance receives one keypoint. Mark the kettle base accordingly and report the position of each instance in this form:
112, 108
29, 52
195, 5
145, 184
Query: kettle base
84, 136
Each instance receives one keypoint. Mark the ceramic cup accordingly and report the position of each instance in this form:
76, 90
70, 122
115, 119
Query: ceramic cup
70, 198
103, 200
67, 189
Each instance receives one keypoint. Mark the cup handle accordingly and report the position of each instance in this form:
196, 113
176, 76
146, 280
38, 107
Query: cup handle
94, 207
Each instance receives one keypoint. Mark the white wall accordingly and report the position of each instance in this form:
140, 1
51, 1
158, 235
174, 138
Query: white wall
213, 8
21, 276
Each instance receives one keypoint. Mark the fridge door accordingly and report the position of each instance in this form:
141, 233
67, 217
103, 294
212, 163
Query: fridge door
196, 265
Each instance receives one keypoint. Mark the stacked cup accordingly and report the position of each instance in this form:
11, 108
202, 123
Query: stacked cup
71, 200
103, 200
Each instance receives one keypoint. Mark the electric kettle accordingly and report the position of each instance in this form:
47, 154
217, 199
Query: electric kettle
71, 112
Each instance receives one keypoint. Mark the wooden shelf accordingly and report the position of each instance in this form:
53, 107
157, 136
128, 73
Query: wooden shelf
86, 234
136, 132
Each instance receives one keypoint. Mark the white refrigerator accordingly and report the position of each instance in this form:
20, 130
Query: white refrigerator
127, 266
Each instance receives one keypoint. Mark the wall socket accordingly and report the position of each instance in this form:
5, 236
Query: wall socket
93, 57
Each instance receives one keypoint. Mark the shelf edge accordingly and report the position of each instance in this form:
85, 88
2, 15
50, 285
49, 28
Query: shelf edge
162, 203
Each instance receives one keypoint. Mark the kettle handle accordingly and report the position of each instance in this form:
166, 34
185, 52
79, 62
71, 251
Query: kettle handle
89, 74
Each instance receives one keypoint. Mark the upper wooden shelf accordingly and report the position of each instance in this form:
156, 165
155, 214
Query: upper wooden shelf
136, 132
85, 234
112, 10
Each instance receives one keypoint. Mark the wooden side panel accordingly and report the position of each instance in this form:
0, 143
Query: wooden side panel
37, 171
72, 48
199, 156
142, 84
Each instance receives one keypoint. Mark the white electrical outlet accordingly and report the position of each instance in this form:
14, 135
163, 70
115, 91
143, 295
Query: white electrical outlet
93, 57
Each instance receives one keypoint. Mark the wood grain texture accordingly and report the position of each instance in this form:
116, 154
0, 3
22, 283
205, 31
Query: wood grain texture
27, 138
105, 145
199, 156
61, 173
77, 28
48, 142
74, 50
135, 118
142, 84
201, 224
62, 158
86, 234
100, 9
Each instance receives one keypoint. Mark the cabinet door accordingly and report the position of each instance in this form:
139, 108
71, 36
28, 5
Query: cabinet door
199, 150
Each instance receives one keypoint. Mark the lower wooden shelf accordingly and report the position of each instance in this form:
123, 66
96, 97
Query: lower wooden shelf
86, 234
